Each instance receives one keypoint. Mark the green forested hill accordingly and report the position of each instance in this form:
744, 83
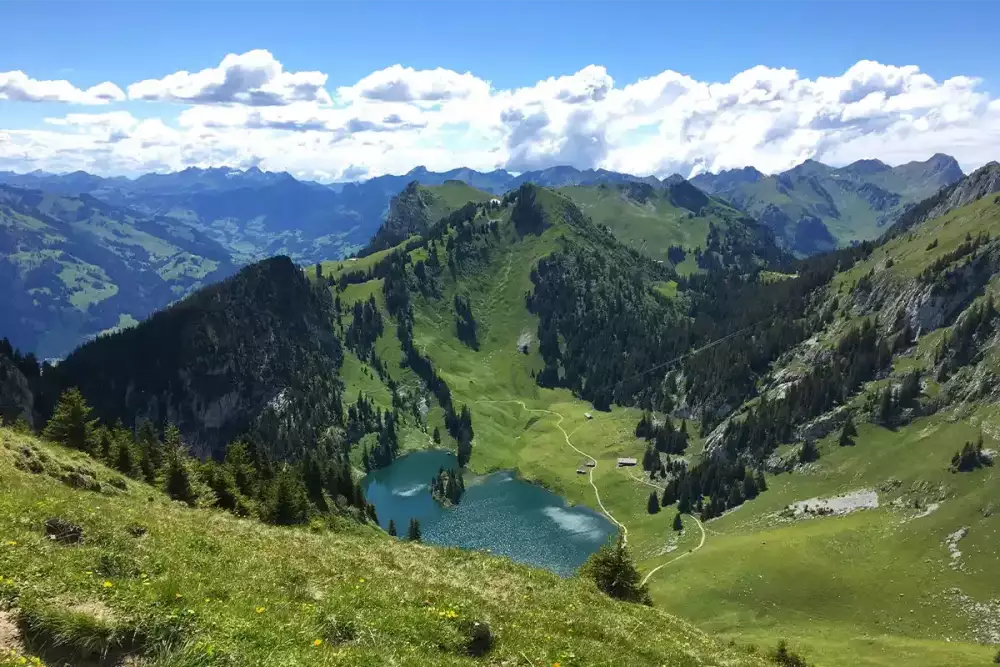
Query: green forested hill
75, 266
673, 223
253, 354
414, 209
815, 208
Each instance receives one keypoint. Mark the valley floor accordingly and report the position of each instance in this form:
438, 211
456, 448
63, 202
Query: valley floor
874, 587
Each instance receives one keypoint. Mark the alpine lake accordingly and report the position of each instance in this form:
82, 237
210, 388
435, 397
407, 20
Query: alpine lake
499, 513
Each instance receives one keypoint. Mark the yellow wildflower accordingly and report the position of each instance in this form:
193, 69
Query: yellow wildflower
317, 642
108, 584
259, 610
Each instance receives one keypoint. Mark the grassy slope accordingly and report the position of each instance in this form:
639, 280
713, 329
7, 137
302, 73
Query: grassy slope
841, 588
205, 588
651, 227
452, 195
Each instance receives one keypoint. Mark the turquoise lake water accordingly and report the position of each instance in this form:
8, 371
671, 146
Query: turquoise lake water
498, 512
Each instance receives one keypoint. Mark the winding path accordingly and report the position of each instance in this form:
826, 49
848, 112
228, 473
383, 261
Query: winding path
597, 493
686, 553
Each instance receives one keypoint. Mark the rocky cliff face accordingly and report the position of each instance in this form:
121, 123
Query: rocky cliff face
408, 214
980, 183
16, 399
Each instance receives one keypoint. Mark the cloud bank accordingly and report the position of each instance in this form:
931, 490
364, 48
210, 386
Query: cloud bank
250, 110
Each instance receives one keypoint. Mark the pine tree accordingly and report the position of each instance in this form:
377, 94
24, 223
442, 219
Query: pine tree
437, 436
288, 504
177, 479
653, 505
678, 522
413, 534
885, 407
392, 528
761, 482
613, 571
809, 452
848, 432
125, 457
71, 424
150, 451
105, 444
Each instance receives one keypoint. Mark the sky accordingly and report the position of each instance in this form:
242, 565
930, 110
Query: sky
344, 91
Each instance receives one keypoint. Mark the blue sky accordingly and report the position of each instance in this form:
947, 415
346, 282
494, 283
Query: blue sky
510, 45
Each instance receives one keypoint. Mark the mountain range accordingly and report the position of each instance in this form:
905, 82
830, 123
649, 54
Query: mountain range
815, 208
87, 254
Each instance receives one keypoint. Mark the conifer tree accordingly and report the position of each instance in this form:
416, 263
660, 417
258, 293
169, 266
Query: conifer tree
437, 436
71, 424
126, 458
678, 522
848, 432
653, 506
613, 571
413, 534
178, 479
392, 528
809, 452
288, 504
150, 451
761, 482
105, 444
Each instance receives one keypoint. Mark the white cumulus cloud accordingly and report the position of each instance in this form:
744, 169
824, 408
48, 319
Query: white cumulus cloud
405, 84
253, 78
19, 87
249, 110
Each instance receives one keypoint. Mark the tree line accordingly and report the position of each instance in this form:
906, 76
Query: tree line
247, 481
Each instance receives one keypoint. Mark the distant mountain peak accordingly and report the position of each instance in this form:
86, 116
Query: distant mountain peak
866, 166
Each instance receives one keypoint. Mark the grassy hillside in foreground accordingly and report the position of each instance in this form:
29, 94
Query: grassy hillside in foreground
840, 588
154, 583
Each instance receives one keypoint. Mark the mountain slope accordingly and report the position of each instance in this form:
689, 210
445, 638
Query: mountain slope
669, 223
252, 355
901, 533
414, 209
814, 208
75, 266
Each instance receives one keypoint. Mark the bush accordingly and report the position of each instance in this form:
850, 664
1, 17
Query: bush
480, 638
786, 658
